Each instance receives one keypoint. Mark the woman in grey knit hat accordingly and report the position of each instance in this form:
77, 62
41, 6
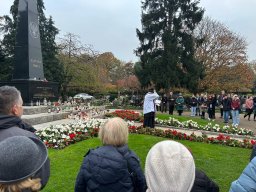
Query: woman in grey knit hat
21, 158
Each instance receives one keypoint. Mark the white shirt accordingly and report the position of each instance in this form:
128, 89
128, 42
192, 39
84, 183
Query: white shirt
148, 105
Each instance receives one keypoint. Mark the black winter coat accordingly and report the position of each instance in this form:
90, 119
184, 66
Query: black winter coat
203, 183
105, 169
226, 104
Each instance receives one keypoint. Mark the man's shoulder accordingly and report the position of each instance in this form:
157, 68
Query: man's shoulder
15, 131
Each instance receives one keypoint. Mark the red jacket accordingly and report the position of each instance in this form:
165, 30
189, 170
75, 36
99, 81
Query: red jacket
235, 104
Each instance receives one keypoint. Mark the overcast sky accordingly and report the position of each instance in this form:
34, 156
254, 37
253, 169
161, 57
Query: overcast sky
110, 25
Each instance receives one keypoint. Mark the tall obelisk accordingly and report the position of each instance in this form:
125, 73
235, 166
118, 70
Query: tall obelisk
28, 54
28, 75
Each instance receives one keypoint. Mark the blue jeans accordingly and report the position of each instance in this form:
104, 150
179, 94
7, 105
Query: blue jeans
193, 111
226, 116
235, 117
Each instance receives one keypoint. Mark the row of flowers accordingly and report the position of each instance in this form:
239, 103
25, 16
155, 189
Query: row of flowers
174, 134
59, 136
190, 124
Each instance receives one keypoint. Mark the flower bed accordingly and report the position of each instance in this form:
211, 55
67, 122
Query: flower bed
190, 124
126, 114
174, 134
59, 136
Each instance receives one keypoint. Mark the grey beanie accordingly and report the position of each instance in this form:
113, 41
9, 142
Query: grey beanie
20, 158
169, 167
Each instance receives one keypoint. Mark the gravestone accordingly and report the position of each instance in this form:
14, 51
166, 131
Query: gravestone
28, 75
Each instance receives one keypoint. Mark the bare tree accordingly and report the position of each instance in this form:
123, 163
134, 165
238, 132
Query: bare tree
220, 49
71, 46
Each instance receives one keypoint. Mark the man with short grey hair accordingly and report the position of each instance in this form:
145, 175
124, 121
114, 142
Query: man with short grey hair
11, 109
11, 124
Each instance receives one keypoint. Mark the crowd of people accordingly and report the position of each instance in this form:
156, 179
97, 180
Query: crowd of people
205, 105
169, 166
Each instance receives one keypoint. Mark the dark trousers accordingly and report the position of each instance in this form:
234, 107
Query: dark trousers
248, 113
164, 107
149, 120
198, 111
203, 115
171, 108
221, 112
210, 113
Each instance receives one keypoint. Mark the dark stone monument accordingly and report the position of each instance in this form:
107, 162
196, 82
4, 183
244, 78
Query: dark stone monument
28, 74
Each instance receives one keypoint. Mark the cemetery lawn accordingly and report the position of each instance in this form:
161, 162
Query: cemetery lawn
221, 163
197, 119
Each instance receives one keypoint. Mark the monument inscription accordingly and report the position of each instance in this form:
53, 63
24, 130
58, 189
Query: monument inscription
28, 53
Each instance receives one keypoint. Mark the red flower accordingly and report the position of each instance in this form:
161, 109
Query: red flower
174, 132
72, 135
253, 142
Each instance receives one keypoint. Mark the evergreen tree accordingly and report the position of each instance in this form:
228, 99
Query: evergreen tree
166, 48
53, 69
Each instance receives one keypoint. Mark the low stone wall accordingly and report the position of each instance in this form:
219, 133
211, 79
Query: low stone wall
30, 110
44, 118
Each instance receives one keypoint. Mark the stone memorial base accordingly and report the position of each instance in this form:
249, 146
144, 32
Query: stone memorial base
34, 90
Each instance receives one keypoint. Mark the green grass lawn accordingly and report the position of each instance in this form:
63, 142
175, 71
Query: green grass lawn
221, 163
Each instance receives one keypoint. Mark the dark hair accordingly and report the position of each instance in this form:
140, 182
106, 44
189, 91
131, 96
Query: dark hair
9, 96
151, 90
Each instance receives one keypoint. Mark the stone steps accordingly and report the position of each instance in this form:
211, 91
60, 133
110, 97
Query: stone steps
40, 118
30, 110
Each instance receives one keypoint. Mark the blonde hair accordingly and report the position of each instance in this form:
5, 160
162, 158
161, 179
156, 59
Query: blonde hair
114, 132
32, 184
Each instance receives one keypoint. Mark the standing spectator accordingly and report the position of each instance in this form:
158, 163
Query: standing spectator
11, 110
226, 108
220, 98
210, 103
203, 108
180, 104
177, 170
193, 104
254, 108
246, 182
113, 166
164, 103
235, 107
214, 104
199, 102
170, 167
149, 108
171, 101
21, 157
249, 107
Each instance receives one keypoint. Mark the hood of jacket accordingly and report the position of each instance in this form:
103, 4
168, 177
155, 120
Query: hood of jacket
8, 121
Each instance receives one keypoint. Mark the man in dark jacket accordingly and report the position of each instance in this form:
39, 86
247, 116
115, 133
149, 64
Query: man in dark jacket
11, 125
171, 101
226, 102
164, 103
